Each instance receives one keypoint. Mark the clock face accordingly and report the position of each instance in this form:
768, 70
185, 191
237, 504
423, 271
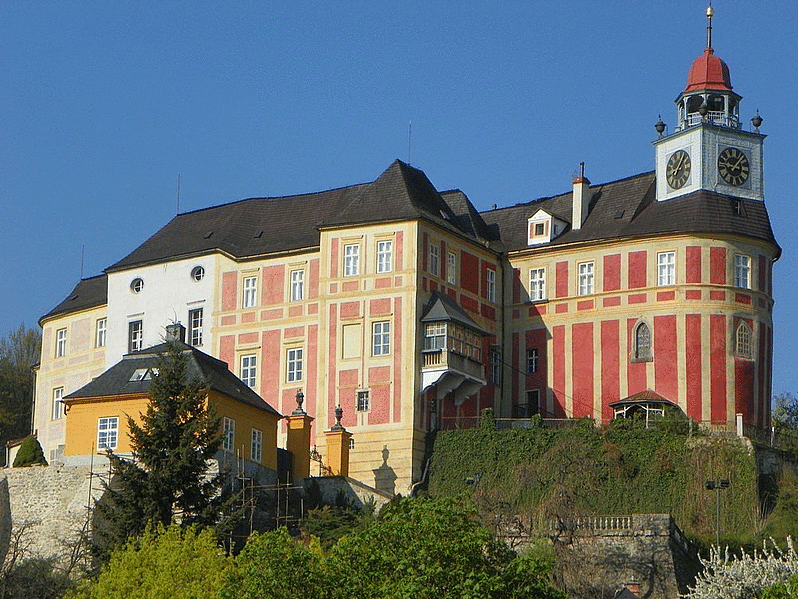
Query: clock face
733, 166
678, 170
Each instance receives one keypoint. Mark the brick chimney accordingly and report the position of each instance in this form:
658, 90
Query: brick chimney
581, 198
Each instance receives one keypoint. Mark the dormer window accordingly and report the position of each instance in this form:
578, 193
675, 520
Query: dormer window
542, 227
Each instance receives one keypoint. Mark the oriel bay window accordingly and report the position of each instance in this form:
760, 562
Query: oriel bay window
454, 337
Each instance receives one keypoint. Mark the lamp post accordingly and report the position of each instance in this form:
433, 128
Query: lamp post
717, 486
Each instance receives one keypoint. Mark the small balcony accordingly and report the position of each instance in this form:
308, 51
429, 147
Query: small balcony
451, 371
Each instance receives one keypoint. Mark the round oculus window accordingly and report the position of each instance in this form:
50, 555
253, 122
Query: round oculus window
137, 284
198, 273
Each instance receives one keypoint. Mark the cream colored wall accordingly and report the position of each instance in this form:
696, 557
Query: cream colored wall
82, 362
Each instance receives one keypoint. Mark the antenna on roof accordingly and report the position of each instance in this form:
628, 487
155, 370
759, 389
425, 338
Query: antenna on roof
82, 252
178, 194
409, 138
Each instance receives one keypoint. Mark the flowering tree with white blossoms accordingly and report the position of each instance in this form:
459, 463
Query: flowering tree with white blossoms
726, 576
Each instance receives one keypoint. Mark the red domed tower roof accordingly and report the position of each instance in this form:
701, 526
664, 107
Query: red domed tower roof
708, 72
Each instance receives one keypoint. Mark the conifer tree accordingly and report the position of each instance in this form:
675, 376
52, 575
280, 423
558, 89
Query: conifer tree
167, 479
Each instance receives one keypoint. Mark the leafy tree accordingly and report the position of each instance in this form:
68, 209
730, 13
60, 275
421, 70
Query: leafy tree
30, 453
785, 590
168, 476
785, 420
19, 351
275, 565
424, 548
173, 562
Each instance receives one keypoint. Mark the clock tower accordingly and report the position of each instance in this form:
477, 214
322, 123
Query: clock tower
708, 149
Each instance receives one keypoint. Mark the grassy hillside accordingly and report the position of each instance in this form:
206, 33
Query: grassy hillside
546, 474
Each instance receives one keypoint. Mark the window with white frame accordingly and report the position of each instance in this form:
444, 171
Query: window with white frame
384, 256
249, 370
256, 448
135, 335
531, 360
433, 259
363, 401
229, 434
435, 335
351, 260
107, 433
451, 268
294, 365
60, 343
537, 284
742, 271
58, 403
381, 338
743, 341
195, 327
491, 284
642, 343
101, 331
297, 285
585, 286
250, 298
666, 268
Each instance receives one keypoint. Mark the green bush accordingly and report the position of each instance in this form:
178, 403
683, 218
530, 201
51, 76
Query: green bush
30, 454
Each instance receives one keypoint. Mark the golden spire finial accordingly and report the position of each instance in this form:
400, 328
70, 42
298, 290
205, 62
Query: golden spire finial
710, 14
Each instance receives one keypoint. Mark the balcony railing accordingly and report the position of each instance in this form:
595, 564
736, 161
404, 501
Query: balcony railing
440, 359
714, 117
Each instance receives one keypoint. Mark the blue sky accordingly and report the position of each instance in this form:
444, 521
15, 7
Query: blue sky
103, 104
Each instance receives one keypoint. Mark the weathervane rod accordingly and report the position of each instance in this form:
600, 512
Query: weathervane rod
710, 14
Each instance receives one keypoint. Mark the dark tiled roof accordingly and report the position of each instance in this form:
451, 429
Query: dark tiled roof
628, 208
259, 226
210, 372
443, 308
88, 293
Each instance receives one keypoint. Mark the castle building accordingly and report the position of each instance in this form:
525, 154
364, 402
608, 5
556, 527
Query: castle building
413, 311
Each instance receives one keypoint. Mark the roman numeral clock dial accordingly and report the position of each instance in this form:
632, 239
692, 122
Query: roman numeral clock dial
678, 170
733, 166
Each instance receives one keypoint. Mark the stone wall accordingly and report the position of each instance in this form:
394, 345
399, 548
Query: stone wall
50, 502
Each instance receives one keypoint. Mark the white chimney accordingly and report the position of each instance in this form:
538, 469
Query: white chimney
581, 200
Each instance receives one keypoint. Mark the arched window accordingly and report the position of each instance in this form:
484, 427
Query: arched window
642, 342
743, 341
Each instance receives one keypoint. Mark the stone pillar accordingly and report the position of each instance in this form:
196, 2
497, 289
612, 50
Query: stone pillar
338, 446
298, 440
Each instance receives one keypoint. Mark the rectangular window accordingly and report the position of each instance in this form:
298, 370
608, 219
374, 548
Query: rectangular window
451, 268
495, 367
531, 361
585, 286
539, 229
107, 433
250, 292
195, 327
256, 449
297, 285
742, 271
58, 403
135, 336
362, 401
666, 268
60, 343
433, 259
537, 284
294, 365
381, 339
229, 434
435, 335
384, 256
99, 337
491, 280
249, 370
351, 260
